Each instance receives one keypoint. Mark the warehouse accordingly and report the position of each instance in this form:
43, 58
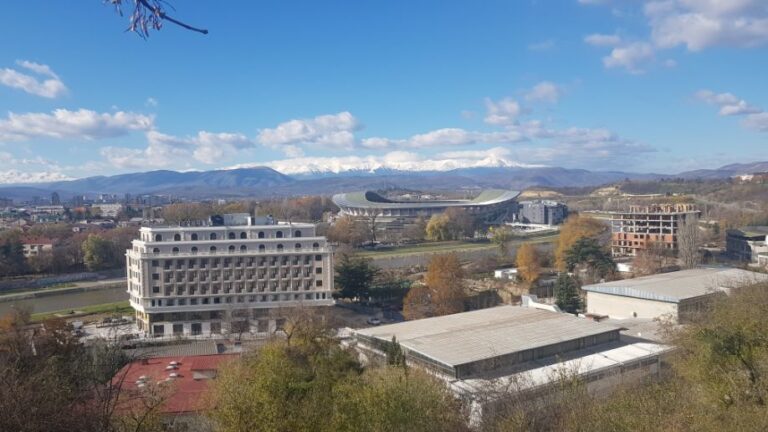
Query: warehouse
678, 295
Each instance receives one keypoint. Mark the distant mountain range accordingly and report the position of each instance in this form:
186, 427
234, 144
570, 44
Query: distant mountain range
265, 182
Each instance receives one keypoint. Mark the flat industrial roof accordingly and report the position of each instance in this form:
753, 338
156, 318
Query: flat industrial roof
369, 199
468, 337
680, 285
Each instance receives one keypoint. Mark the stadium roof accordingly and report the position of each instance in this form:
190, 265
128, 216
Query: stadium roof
680, 285
468, 337
369, 199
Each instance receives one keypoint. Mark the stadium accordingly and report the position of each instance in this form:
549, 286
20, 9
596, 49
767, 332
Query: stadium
492, 206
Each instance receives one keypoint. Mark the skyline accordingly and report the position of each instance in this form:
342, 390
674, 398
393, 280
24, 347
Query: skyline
661, 86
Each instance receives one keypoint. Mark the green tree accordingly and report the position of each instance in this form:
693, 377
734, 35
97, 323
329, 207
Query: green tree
567, 295
395, 354
98, 253
588, 253
354, 277
12, 260
501, 236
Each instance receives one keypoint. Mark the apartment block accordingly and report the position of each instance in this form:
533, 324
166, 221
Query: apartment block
233, 274
642, 226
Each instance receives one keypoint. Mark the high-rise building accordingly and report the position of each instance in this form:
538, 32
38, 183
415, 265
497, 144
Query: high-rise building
55, 199
642, 226
233, 274
544, 212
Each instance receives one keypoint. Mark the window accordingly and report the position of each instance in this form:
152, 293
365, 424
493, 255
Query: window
261, 248
318, 283
231, 236
279, 234
155, 263
178, 329
194, 249
197, 329
231, 249
315, 245
177, 237
155, 250
318, 257
155, 276
318, 270
158, 329
213, 236
175, 250
261, 234
156, 290
243, 248
279, 247
298, 246
213, 249
297, 233
243, 235
158, 237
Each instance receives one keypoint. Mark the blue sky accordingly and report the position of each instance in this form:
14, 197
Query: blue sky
632, 85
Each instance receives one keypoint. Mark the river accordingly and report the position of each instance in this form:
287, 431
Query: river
71, 300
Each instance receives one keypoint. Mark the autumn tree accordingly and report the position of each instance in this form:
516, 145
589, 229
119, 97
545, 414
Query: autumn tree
347, 230
445, 280
439, 228
576, 227
186, 213
98, 253
651, 260
417, 303
527, 262
416, 231
461, 223
501, 236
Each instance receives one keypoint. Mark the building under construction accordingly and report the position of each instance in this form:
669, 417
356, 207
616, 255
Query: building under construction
642, 226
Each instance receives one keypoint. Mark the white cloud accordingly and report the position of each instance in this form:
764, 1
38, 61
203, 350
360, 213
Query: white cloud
544, 91
66, 124
503, 112
701, 24
15, 176
544, 45
632, 57
328, 131
602, 40
731, 105
48, 86
757, 121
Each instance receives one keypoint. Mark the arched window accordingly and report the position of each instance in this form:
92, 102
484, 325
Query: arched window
213, 236
156, 250
194, 236
261, 234
315, 245
298, 246
243, 248
175, 250
231, 249
194, 250
243, 235
279, 234
231, 236
158, 237
213, 248
279, 247
297, 233
177, 237
262, 248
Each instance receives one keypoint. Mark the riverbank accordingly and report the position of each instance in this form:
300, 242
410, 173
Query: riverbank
71, 288
116, 308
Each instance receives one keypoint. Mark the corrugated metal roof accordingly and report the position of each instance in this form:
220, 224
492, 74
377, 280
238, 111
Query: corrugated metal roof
676, 286
472, 336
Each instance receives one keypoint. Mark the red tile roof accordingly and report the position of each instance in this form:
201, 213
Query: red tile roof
187, 393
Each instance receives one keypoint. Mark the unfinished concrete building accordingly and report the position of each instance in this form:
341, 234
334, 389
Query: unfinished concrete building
641, 226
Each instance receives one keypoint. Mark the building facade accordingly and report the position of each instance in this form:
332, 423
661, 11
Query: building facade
542, 212
745, 244
229, 276
642, 226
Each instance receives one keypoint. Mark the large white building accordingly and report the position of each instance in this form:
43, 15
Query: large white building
235, 274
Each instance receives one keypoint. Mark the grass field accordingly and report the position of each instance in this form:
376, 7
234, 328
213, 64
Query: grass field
122, 307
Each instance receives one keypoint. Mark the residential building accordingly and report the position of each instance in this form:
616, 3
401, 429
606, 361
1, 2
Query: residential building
519, 349
542, 212
746, 243
235, 273
187, 379
642, 226
677, 295
108, 210
34, 246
